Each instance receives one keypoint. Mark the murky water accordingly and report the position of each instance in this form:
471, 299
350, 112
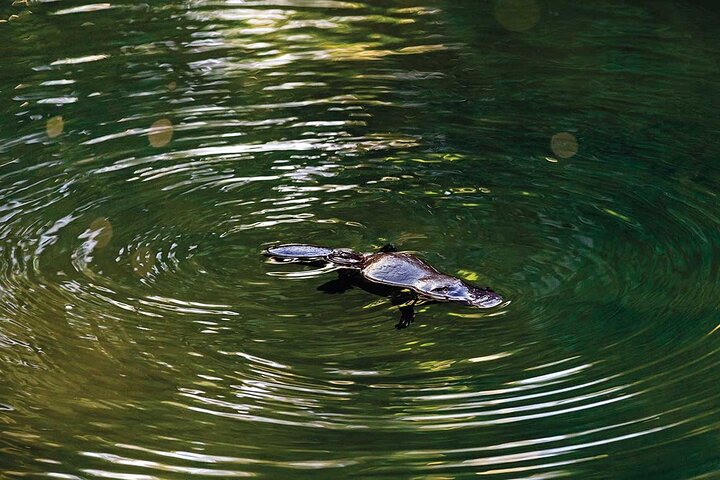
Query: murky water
564, 153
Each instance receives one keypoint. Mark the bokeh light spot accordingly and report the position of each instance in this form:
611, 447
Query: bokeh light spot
517, 15
564, 144
161, 132
55, 126
102, 231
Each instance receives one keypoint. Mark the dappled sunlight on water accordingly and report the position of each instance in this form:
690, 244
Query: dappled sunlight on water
561, 154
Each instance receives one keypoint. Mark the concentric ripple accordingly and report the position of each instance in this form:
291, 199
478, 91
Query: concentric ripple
561, 154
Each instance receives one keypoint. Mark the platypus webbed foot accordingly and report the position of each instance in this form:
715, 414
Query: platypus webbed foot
388, 248
407, 315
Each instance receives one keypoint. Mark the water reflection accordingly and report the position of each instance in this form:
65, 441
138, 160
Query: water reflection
141, 335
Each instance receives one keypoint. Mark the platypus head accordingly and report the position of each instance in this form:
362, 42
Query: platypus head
482, 297
458, 291
346, 258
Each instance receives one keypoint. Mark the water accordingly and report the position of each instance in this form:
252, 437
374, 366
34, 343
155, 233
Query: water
563, 153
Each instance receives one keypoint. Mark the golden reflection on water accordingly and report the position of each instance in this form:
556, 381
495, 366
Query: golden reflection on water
17, 3
77, 60
93, 7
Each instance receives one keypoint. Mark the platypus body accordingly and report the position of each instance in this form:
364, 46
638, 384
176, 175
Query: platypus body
402, 276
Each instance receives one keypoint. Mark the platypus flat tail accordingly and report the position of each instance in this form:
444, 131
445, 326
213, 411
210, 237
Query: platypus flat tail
298, 252
314, 255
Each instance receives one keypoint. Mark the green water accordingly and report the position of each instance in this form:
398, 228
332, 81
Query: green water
564, 153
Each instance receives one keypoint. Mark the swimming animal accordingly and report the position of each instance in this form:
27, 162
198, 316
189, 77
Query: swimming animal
402, 276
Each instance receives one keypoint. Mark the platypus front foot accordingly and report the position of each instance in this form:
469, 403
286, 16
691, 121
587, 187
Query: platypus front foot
407, 315
388, 248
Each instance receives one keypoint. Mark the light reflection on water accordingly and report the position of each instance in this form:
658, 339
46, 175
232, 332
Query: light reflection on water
555, 152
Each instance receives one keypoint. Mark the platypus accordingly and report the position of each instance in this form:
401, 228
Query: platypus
402, 276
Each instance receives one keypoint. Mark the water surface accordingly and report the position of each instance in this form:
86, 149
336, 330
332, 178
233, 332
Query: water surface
563, 153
